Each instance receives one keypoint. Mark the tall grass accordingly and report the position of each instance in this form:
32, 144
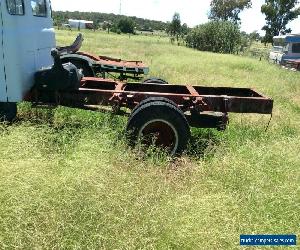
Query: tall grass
68, 180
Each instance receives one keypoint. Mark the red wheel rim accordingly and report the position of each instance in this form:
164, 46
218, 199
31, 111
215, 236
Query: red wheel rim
159, 133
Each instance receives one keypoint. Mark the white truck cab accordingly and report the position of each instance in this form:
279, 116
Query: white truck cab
26, 39
285, 47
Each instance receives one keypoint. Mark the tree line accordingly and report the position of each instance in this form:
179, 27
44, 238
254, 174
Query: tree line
112, 20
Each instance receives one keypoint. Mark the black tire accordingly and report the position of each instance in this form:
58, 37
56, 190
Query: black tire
153, 99
155, 80
84, 66
164, 120
8, 111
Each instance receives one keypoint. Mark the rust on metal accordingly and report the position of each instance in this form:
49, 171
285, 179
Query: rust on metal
190, 99
95, 91
115, 63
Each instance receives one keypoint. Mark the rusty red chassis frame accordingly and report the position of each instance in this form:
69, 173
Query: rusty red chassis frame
160, 112
190, 99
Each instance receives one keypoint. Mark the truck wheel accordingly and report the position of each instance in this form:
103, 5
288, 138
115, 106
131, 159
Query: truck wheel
8, 111
159, 123
155, 80
86, 69
152, 99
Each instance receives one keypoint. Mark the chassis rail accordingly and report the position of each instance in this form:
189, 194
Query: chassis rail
98, 91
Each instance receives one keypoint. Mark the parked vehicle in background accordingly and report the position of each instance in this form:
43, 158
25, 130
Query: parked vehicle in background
285, 48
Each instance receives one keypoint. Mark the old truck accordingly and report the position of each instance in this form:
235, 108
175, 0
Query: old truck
31, 69
285, 48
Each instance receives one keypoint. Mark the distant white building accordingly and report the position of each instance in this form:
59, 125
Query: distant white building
82, 24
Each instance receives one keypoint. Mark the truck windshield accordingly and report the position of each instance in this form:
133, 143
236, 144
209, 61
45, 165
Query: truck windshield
39, 8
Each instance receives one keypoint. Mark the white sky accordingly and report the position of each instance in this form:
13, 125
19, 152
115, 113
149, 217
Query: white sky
192, 12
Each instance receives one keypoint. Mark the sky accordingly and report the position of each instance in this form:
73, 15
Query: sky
192, 12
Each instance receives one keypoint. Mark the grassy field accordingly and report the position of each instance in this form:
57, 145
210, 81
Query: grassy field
68, 180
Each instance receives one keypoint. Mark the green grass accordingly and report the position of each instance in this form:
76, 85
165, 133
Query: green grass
68, 180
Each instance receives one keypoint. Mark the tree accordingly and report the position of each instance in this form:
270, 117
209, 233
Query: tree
184, 29
126, 25
174, 28
215, 36
106, 26
278, 14
228, 10
254, 36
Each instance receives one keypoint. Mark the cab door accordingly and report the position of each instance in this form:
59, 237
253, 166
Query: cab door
27, 37
13, 17
42, 24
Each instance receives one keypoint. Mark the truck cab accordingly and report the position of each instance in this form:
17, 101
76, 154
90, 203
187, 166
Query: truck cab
26, 39
285, 47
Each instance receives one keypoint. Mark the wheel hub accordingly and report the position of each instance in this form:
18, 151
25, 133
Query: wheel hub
159, 133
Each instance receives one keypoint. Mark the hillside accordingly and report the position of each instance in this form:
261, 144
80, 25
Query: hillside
68, 180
